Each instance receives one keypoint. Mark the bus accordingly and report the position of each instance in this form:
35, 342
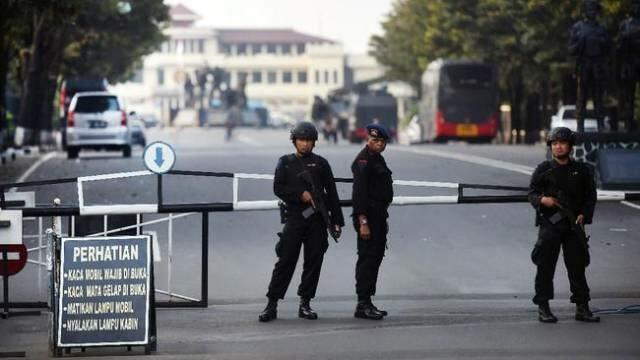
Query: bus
459, 101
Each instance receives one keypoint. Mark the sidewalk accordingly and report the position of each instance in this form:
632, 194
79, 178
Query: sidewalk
505, 328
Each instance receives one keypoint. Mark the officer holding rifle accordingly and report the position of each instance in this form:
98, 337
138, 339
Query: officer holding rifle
564, 195
305, 184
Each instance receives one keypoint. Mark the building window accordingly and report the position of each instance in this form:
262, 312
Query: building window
326, 76
241, 49
256, 77
317, 76
271, 48
286, 48
166, 47
201, 46
272, 77
302, 77
160, 74
226, 49
256, 49
335, 76
287, 77
301, 48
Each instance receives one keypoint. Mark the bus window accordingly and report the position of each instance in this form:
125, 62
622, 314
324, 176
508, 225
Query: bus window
469, 76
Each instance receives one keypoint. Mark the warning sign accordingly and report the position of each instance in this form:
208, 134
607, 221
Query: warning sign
104, 291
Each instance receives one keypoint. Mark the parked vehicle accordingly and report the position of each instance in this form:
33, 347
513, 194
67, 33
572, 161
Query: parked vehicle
459, 101
566, 117
96, 120
68, 89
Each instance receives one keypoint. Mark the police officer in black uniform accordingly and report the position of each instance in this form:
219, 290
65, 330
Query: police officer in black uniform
304, 224
562, 191
372, 195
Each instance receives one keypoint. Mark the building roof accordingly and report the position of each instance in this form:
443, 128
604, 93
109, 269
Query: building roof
266, 36
181, 13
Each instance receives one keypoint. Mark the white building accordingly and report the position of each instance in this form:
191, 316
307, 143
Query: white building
284, 68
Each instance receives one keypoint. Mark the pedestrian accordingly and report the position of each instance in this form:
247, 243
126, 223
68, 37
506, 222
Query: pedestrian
304, 224
564, 195
372, 195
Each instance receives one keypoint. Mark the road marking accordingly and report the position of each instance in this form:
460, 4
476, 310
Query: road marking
474, 159
34, 167
630, 204
617, 229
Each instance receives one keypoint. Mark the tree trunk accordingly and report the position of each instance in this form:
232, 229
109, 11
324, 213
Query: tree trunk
31, 85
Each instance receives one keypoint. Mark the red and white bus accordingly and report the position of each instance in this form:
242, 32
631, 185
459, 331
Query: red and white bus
459, 101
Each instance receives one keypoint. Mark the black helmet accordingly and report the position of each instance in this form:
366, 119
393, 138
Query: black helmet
561, 134
304, 130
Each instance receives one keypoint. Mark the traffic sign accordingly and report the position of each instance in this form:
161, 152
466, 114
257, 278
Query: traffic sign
15, 261
159, 157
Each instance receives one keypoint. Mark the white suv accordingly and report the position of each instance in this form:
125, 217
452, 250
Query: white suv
566, 117
96, 120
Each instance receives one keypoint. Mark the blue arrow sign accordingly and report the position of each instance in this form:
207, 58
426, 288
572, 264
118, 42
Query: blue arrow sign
159, 157
159, 160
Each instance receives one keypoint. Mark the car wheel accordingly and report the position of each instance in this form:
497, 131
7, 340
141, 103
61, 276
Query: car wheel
72, 152
126, 151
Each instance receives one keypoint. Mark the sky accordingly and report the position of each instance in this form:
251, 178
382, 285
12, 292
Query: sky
351, 22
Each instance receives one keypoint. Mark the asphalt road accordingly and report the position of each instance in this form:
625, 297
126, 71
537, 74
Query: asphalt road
456, 278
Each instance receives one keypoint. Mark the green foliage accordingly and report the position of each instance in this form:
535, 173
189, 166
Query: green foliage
526, 39
107, 43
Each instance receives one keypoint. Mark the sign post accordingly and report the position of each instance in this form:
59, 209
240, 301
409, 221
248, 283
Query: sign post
105, 293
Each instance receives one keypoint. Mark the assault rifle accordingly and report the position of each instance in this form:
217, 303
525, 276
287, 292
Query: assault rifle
576, 228
565, 211
319, 205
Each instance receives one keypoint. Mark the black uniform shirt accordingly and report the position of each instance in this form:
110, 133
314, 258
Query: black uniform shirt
574, 180
372, 182
288, 186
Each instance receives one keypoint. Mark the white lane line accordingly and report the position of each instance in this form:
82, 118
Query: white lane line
474, 159
630, 204
34, 167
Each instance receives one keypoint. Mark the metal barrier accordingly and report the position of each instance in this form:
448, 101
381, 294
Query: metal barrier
178, 211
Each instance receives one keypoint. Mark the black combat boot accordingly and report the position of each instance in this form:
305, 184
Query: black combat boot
382, 312
305, 311
270, 312
545, 315
366, 310
583, 313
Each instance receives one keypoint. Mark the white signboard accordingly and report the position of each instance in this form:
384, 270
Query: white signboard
11, 234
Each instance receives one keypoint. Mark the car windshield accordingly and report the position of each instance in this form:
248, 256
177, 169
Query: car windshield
95, 104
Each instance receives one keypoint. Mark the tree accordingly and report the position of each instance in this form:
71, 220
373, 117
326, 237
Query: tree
525, 39
75, 38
